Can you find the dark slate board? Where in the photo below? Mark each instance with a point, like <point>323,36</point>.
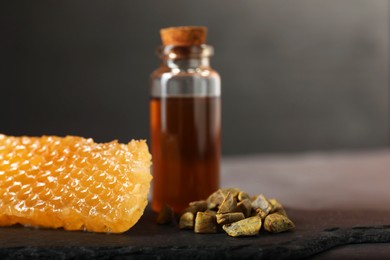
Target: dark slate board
<point>316,232</point>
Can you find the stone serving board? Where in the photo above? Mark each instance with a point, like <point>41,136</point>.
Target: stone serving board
<point>316,232</point>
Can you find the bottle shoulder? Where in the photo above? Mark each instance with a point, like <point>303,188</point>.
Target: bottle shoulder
<point>204,83</point>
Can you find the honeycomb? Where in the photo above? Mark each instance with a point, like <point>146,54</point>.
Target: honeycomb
<point>73,183</point>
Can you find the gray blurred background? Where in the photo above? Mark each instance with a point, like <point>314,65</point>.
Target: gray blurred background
<point>296,75</point>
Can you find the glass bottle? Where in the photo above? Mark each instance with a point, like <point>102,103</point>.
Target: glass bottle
<point>185,122</point>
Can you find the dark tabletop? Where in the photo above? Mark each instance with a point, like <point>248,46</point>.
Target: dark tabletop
<point>339,203</point>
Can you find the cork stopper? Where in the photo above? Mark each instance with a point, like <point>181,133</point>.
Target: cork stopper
<point>183,35</point>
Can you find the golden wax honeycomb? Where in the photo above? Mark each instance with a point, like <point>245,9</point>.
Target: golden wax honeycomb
<point>73,183</point>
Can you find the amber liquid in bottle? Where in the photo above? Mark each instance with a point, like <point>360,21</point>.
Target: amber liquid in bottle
<point>186,138</point>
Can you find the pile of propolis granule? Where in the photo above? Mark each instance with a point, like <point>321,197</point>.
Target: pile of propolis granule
<point>73,183</point>
<point>233,211</point>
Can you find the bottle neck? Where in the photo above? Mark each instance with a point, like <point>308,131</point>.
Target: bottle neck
<point>186,57</point>
<point>187,64</point>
